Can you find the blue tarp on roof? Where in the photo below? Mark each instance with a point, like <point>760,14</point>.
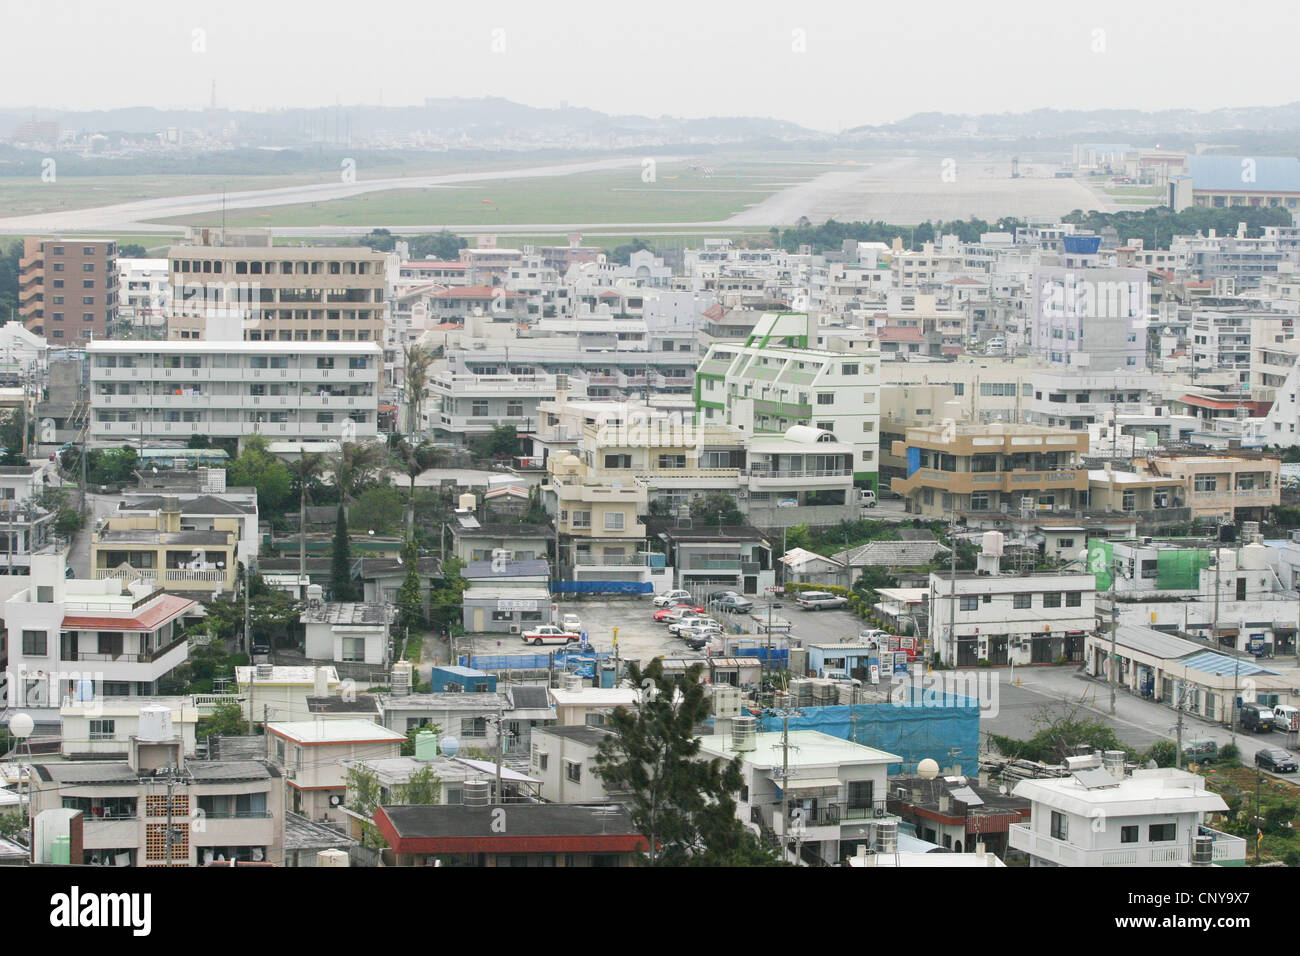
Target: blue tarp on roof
<point>1211,663</point>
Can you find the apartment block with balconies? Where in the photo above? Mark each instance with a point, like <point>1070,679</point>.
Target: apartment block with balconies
<point>276,294</point>
<point>775,381</point>
<point>123,637</point>
<point>161,551</point>
<point>991,469</point>
<point>597,520</point>
<point>217,810</point>
<point>291,391</point>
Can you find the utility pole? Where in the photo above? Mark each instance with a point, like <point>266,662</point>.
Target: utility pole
<point>1114,632</point>
<point>1178,729</point>
<point>1114,432</point>
<point>785,780</point>
<point>952,594</point>
<point>501,736</point>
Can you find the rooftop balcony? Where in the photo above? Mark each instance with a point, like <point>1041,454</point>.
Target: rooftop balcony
<point>1228,850</point>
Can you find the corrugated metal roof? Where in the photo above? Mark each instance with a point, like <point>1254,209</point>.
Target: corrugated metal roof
<point>1211,662</point>
<point>1145,640</point>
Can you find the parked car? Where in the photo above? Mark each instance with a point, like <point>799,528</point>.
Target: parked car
<point>872,635</point>
<point>1202,750</point>
<point>1286,717</point>
<point>697,642</point>
<point>734,603</point>
<point>571,623</point>
<point>819,600</point>
<point>691,617</point>
<point>1256,718</point>
<point>695,626</point>
<point>669,598</point>
<point>548,634</point>
<point>673,615</point>
<point>719,595</point>
<point>866,498</point>
<point>1276,759</point>
<point>666,614</point>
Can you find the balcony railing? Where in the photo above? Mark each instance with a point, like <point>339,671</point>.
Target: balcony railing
<point>1226,848</point>
<point>147,658</point>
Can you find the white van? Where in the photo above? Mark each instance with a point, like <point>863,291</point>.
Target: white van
<point>1288,717</point>
<point>866,498</point>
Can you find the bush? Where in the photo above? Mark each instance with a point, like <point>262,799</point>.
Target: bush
<point>1164,753</point>
<point>1229,752</point>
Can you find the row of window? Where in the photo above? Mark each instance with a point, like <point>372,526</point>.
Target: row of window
<point>1131,833</point>
<point>1025,600</point>
<point>286,268</point>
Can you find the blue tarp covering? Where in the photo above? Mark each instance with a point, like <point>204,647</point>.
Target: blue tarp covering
<point>779,654</point>
<point>913,732</point>
<point>527,662</point>
<point>913,461</point>
<point>602,587</point>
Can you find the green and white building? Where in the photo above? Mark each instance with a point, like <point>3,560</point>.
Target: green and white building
<point>775,380</point>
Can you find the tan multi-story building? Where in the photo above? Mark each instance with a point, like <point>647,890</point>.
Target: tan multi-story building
<point>68,289</point>
<point>601,537</point>
<point>991,469</point>
<point>169,552</point>
<point>1224,486</point>
<point>117,813</point>
<point>276,293</point>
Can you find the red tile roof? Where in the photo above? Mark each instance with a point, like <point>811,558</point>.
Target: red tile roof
<point>148,618</point>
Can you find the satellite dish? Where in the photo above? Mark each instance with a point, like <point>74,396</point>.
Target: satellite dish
<point>21,726</point>
<point>449,746</point>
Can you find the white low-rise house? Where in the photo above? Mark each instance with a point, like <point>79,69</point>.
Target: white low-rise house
<point>149,391</point>
<point>1152,818</point>
<point>835,792</point>
<point>277,692</point>
<point>564,760</point>
<point>985,615</point>
<point>103,727</point>
<point>348,632</point>
<point>66,633</point>
<point>311,754</point>
<point>582,706</point>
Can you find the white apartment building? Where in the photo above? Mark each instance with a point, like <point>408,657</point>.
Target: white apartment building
<point>101,728</point>
<point>564,760</point>
<point>775,381</point>
<point>985,615</point>
<point>144,293</point>
<point>1090,318</point>
<point>836,789</point>
<point>289,391</point>
<point>122,638</point>
<point>310,752</point>
<point>1151,818</point>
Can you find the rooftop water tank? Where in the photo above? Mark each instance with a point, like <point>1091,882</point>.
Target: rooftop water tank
<point>426,745</point>
<point>1254,557</point>
<point>466,502</point>
<point>887,837</point>
<point>155,723</point>
<point>993,541</point>
<point>476,793</point>
<point>744,733</point>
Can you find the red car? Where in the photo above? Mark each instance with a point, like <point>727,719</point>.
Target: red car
<point>662,615</point>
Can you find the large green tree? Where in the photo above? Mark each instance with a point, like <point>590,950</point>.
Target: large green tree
<point>258,468</point>
<point>356,468</point>
<point>414,459</point>
<point>410,599</point>
<point>683,803</point>
<point>378,509</point>
<point>342,587</point>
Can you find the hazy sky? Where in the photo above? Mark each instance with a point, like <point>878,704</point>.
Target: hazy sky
<point>862,62</point>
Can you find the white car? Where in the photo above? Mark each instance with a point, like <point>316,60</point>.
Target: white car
<point>692,623</point>
<point>669,598</point>
<point>548,634</point>
<point>702,628</point>
<point>680,614</point>
<point>571,623</point>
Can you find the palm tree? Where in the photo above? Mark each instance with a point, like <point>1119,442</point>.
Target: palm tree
<point>308,468</point>
<point>418,361</point>
<point>356,466</point>
<point>415,460</point>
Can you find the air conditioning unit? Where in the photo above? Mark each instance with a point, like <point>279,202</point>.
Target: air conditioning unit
<point>514,628</point>
<point>336,800</point>
<point>745,494</point>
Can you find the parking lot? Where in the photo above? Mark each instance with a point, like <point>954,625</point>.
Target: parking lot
<point>640,637</point>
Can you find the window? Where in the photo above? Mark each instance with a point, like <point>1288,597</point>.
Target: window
<point>1128,834</point>
<point>354,649</point>
<point>1161,832</point>
<point>357,361</point>
<point>613,521</point>
<point>479,409</point>
<point>1063,543</point>
<point>1060,826</point>
<point>979,501</point>
<point>1074,599</point>
<point>672,461</point>
<point>618,461</point>
<point>515,409</point>
<point>969,603</point>
<point>849,369</point>
<point>825,398</point>
<point>1022,601</point>
<point>573,771</point>
<point>473,727</point>
<point>1052,599</point>
<point>582,519</point>
<point>325,362</point>
<point>102,729</point>
<point>1207,483</point>
<point>35,644</point>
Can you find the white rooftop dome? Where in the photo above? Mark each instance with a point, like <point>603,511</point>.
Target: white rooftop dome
<point>807,434</point>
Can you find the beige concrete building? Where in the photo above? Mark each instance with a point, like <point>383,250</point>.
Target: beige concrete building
<point>311,753</point>
<point>275,293</point>
<point>170,554</point>
<point>991,469</point>
<point>1128,491</point>
<point>116,813</point>
<point>596,518</point>
<point>1215,485</point>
